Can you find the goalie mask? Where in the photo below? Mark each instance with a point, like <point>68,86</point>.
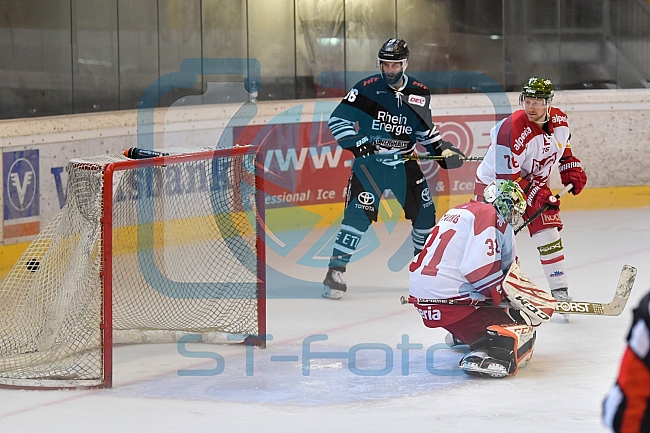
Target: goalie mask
<point>393,51</point>
<point>507,197</point>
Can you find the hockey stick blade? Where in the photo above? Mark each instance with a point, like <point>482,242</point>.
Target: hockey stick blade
<point>614,308</point>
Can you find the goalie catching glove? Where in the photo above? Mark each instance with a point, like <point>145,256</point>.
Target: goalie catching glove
<point>571,172</point>
<point>535,305</point>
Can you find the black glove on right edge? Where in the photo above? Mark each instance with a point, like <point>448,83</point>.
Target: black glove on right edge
<point>453,157</point>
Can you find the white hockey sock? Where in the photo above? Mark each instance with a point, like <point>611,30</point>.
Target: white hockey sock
<point>551,255</point>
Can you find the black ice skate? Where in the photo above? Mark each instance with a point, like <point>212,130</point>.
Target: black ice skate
<point>334,284</point>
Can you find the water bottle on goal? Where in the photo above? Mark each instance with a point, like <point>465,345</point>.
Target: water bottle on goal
<point>137,153</point>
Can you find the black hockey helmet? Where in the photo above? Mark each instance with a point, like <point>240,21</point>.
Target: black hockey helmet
<point>394,50</point>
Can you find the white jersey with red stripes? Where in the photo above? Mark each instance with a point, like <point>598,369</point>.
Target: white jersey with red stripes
<point>520,148</point>
<point>466,256</point>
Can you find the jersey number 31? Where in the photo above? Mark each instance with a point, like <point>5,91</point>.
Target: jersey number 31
<point>431,268</point>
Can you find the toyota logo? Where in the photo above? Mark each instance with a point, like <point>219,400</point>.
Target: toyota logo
<point>366,198</point>
<point>426,194</point>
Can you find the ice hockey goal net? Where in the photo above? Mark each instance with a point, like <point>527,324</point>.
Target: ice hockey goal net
<point>144,250</point>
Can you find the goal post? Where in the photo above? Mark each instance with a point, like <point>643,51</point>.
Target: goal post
<point>145,250</point>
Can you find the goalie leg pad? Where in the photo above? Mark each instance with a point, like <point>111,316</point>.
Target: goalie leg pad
<point>504,350</point>
<point>524,295</point>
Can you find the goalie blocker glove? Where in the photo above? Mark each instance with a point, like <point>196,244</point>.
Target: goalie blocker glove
<point>571,172</point>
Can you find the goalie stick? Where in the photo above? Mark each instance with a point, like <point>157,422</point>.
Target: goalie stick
<point>614,308</point>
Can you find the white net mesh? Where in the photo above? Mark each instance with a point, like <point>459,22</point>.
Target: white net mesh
<point>184,260</point>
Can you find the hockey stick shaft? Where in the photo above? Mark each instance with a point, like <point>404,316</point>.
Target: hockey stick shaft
<point>536,215</point>
<point>441,158</point>
<point>614,308</point>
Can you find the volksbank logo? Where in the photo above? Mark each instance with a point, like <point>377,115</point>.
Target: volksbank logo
<point>21,184</point>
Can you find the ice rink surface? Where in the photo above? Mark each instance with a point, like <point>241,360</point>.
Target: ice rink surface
<point>342,366</point>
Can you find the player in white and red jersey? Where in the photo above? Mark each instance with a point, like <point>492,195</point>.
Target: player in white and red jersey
<point>468,258</point>
<point>526,147</point>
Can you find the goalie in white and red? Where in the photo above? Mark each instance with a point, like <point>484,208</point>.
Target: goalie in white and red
<point>470,257</point>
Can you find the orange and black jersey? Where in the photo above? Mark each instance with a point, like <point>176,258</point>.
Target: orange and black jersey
<point>391,119</point>
<point>627,406</point>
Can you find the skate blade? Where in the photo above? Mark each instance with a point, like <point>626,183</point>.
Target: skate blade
<point>328,293</point>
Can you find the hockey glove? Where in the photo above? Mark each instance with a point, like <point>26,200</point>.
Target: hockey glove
<point>363,147</point>
<point>540,196</point>
<point>453,157</point>
<point>571,172</point>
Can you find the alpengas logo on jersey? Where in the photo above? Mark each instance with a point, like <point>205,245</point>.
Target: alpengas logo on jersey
<point>557,119</point>
<point>417,100</point>
<point>521,140</point>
